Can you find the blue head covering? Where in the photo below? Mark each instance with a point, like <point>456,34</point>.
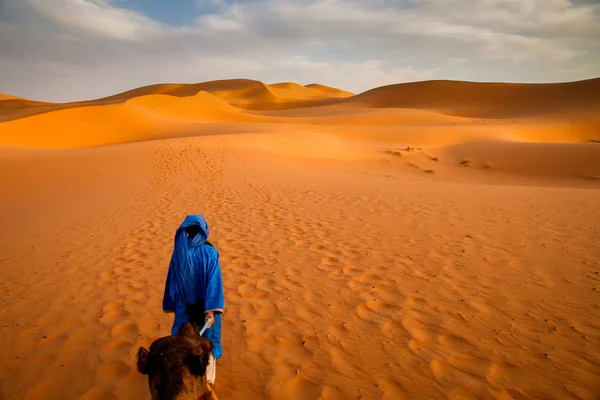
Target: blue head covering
<point>181,267</point>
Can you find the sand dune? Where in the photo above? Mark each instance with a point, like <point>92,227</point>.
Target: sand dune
<point>87,126</point>
<point>575,126</point>
<point>147,117</point>
<point>202,106</point>
<point>8,102</point>
<point>553,160</point>
<point>254,95</point>
<point>485,100</point>
<point>427,114</point>
<point>183,90</point>
<point>259,96</point>
<point>9,97</point>
<point>328,89</point>
<point>245,93</point>
<point>292,90</point>
<point>241,93</point>
<point>419,241</point>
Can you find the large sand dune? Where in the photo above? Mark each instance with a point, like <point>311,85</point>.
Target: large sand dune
<point>241,93</point>
<point>486,100</point>
<point>429,240</point>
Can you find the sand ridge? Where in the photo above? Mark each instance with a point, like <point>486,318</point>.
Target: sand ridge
<point>488,100</point>
<point>242,93</point>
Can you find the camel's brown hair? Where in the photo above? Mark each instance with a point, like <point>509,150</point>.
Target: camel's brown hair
<point>176,364</point>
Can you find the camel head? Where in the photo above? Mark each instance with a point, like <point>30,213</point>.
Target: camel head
<point>176,365</point>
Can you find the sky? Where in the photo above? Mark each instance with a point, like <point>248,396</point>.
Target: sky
<point>68,50</point>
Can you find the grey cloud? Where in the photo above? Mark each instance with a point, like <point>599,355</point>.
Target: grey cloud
<point>98,49</point>
<point>98,18</point>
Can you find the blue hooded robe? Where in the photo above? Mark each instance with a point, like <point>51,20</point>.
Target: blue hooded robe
<point>194,278</point>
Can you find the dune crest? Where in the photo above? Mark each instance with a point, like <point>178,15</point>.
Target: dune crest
<point>329,89</point>
<point>295,90</point>
<point>241,93</point>
<point>9,97</point>
<point>485,100</point>
<point>9,103</point>
<point>203,106</point>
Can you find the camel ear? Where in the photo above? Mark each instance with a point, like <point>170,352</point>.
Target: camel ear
<point>198,359</point>
<point>142,361</point>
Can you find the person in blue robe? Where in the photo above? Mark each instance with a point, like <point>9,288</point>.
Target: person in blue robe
<point>194,285</point>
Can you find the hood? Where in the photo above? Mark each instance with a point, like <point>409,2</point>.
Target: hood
<point>199,221</point>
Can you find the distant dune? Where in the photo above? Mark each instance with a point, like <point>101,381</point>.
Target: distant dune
<point>246,93</point>
<point>202,106</point>
<point>486,100</point>
<point>240,93</point>
<point>313,91</point>
<point>145,117</point>
<point>9,103</point>
<point>426,113</point>
<point>183,90</point>
<point>9,97</point>
<point>328,89</point>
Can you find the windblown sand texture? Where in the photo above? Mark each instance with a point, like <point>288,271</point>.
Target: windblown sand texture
<point>431,240</point>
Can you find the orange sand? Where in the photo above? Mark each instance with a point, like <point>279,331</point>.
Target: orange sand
<point>427,240</point>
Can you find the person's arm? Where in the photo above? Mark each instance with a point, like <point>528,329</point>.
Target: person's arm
<point>168,302</point>
<point>215,297</point>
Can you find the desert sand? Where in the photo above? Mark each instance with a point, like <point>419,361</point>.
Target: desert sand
<point>429,240</point>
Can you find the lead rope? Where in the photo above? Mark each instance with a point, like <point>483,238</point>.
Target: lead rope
<point>205,326</point>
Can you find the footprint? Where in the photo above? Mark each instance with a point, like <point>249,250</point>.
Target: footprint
<point>51,344</point>
<point>125,331</point>
<point>140,297</point>
<point>265,284</point>
<point>350,270</point>
<point>391,390</point>
<point>259,294</point>
<point>371,311</point>
<point>245,289</point>
<point>504,375</point>
<point>115,350</point>
<point>356,285</point>
<point>110,372</point>
<point>420,331</point>
<point>446,374</point>
<point>415,303</point>
<point>329,261</point>
<point>107,276</point>
<point>114,317</point>
<point>456,344</point>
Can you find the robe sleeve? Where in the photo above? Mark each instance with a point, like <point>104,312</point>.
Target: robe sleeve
<point>168,303</point>
<point>214,299</point>
<point>181,315</point>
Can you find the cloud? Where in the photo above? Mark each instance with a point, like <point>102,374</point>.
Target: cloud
<point>97,17</point>
<point>73,49</point>
<point>204,3</point>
